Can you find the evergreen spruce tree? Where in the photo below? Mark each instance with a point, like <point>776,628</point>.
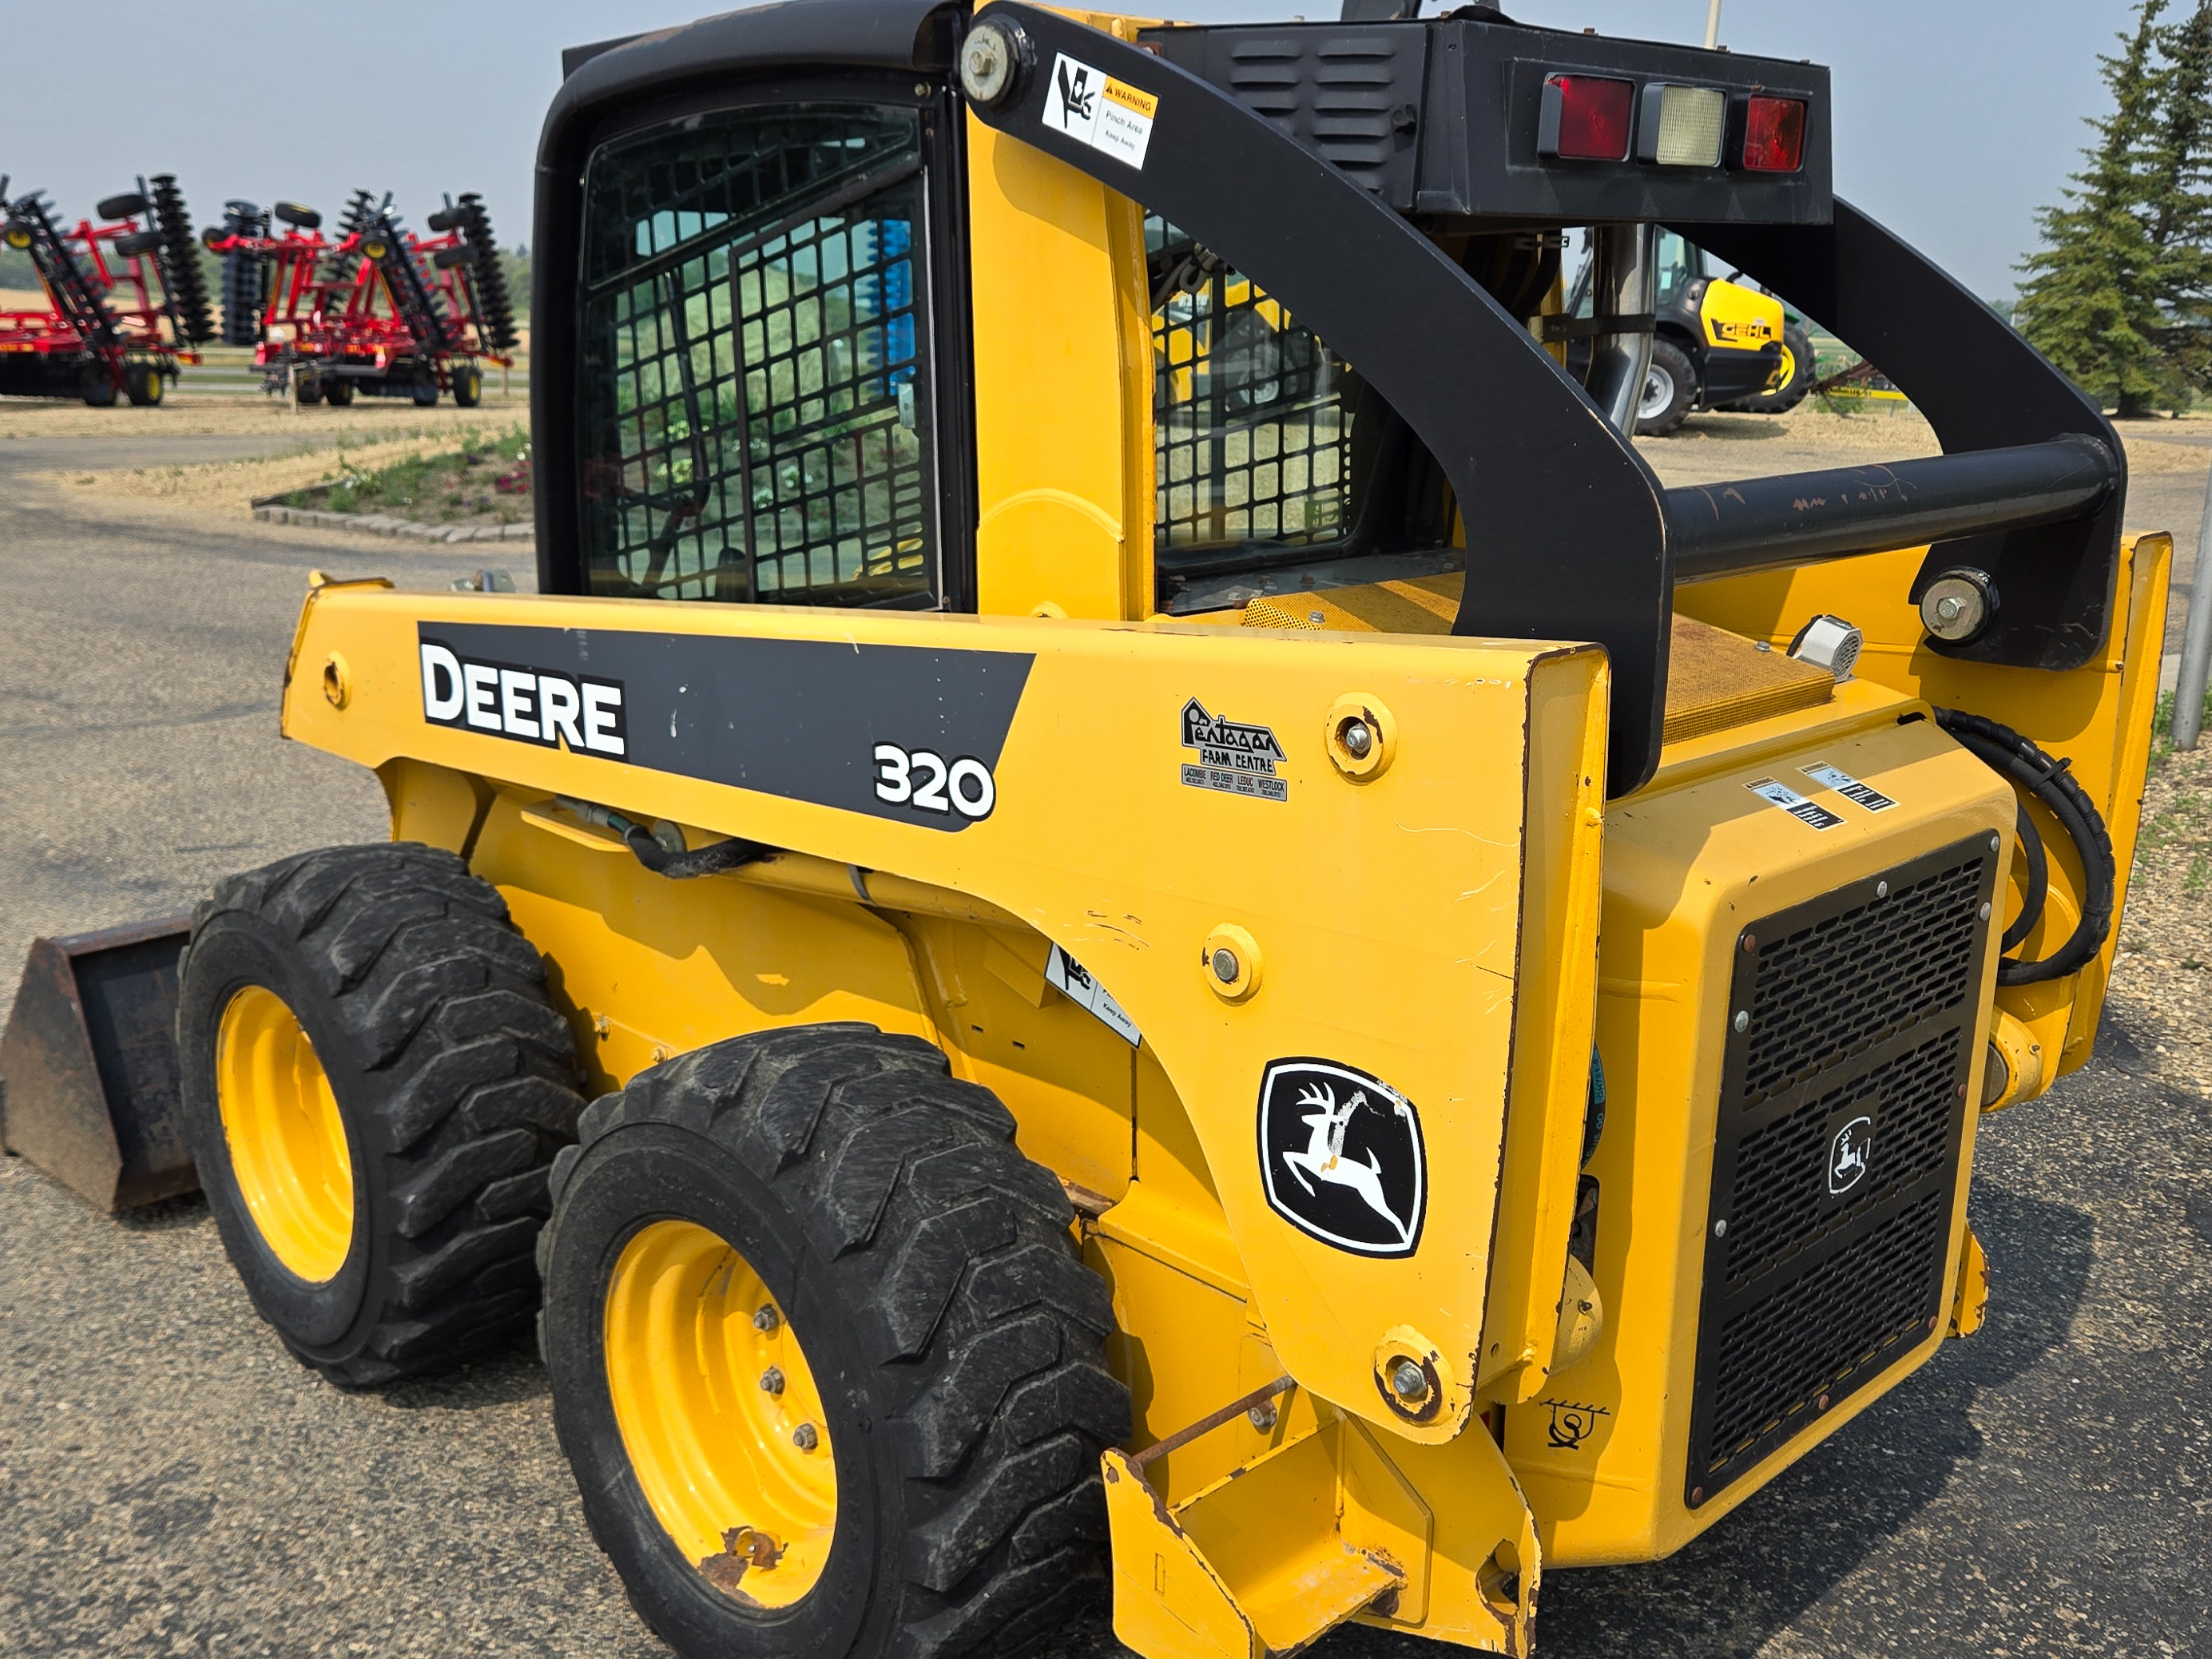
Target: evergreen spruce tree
<point>2091,299</point>
<point>2179,204</point>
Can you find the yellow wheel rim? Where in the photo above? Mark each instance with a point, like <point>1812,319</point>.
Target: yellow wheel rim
<point>287,1140</point>
<point>719,1414</point>
<point>153,389</point>
<point>1782,376</point>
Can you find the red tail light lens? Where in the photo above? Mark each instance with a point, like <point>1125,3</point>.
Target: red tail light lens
<point>1585,118</point>
<point>1773,135</point>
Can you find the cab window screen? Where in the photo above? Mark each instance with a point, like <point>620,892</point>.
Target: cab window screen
<point>1275,465</point>
<point>753,370</point>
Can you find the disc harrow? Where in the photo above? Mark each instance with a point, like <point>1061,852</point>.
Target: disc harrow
<point>370,308</point>
<point>126,303</point>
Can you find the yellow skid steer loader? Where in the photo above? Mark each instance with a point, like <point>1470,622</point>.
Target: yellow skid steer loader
<point>1214,950</point>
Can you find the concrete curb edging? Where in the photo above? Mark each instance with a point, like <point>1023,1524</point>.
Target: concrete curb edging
<point>379,524</point>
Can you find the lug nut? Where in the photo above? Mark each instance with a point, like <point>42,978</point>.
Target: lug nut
<point>1406,1380</point>
<point>772,1380</point>
<point>767,1318</point>
<point>806,1437</point>
<point>1225,966</point>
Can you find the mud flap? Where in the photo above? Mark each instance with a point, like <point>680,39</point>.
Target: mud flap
<point>88,1065</point>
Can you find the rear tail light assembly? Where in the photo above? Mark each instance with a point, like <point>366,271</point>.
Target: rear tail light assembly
<point>1585,118</point>
<point>1598,118</point>
<point>1682,126</point>
<point>1773,134</point>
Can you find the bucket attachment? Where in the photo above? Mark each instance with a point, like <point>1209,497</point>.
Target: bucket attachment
<point>1272,1556</point>
<point>88,1065</point>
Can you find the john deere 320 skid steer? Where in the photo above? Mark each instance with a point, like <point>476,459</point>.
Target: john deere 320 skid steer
<point>1212,945</point>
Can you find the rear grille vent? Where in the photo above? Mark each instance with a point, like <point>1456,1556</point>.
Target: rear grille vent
<point>1821,1334</point>
<point>1815,1002</point>
<point>1782,1176</point>
<point>1353,96</point>
<point>1835,1154</point>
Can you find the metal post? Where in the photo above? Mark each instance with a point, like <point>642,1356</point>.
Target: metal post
<point>2196,638</point>
<point>1712,24</point>
<point>1624,283</point>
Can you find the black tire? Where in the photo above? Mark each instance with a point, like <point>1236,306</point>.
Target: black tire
<point>144,384</point>
<point>1792,392</point>
<point>129,246</point>
<point>1670,390</point>
<point>129,205</point>
<point>298,216</point>
<point>338,393</point>
<point>426,393</point>
<point>957,1340</point>
<point>454,1077</point>
<point>307,389</point>
<point>96,386</point>
<point>467,382</point>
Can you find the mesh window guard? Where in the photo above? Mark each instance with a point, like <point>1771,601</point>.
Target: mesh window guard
<point>1250,419</point>
<point>754,362</point>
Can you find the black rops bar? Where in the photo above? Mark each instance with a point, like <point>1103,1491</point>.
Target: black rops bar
<point>1802,517</point>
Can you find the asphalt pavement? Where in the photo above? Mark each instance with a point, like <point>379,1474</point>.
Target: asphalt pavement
<point>171,1482</point>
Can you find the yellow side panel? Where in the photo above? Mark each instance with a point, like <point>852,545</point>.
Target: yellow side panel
<point>1067,1079</point>
<point>668,966</point>
<point>1558,970</point>
<point>1063,379</point>
<point>2096,716</point>
<point>1099,842</point>
<point>434,804</point>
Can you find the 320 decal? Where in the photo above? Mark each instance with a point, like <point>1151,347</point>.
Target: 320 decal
<point>919,778</point>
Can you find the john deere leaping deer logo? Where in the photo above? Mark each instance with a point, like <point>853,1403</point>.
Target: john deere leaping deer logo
<point>1341,1156</point>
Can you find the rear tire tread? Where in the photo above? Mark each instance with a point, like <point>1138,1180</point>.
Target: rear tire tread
<point>423,967</point>
<point>955,1249</point>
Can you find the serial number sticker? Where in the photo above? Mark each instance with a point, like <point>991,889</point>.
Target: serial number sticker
<point>1778,793</point>
<point>1068,976</point>
<point>1112,117</point>
<point>1835,778</point>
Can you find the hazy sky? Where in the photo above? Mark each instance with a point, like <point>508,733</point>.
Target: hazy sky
<point>1957,117</point>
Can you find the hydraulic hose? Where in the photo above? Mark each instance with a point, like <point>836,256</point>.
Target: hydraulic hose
<point>2034,772</point>
<point>673,862</point>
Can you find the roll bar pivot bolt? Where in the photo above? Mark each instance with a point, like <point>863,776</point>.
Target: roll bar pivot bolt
<point>995,61</point>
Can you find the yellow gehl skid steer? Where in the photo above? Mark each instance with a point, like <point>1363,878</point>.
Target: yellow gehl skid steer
<point>1209,939</point>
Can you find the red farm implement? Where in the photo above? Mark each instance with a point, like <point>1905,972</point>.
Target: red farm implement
<point>126,303</point>
<point>371,307</point>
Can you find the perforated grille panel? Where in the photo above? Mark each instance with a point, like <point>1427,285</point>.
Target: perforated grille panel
<point>1836,1155</point>
<point>1815,1003</point>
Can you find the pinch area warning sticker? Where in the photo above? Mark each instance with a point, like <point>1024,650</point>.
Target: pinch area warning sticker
<point>1067,976</point>
<point>1112,117</point>
<point>1778,793</point>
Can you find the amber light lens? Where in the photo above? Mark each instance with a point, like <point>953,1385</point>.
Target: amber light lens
<point>1773,135</point>
<point>1593,117</point>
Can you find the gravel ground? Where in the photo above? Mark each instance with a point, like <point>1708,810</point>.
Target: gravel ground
<point>172,1483</point>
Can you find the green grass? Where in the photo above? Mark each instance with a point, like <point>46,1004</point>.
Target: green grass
<point>2162,727</point>
<point>486,476</point>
